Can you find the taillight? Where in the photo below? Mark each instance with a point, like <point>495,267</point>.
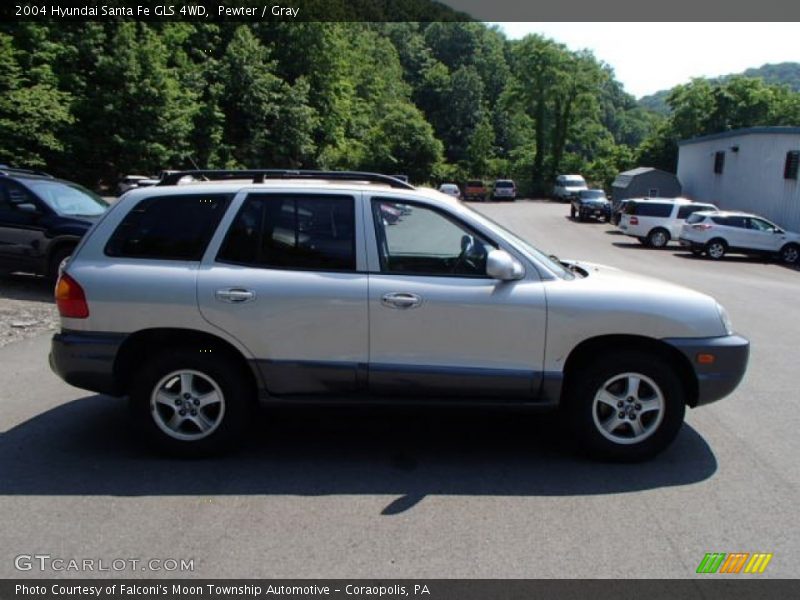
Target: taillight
<point>634,220</point>
<point>70,299</point>
<point>702,227</point>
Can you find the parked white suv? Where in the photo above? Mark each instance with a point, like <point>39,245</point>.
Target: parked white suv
<point>292,286</point>
<point>655,222</point>
<point>567,187</point>
<point>716,234</point>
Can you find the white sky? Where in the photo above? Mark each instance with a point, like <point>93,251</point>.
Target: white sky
<point>648,57</point>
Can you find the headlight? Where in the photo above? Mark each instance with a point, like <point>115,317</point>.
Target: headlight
<point>725,318</point>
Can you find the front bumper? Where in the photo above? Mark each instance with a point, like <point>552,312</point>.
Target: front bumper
<point>719,378</point>
<point>86,359</point>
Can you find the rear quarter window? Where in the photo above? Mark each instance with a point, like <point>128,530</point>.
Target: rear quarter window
<point>168,227</point>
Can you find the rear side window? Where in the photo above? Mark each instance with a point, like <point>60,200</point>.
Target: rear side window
<point>650,209</point>
<point>168,227</point>
<point>306,232</point>
<point>740,222</point>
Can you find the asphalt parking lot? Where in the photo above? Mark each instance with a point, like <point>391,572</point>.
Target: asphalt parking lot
<point>410,493</point>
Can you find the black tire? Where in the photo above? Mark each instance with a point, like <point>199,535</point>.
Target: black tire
<point>56,258</point>
<point>581,216</point>
<point>716,249</point>
<point>584,416</point>
<point>571,212</point>
<point>658,238</point>
<point>231,418</point>
<point>790,254</point>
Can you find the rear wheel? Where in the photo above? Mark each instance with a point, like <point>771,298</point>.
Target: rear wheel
<point>192,404</point>
<point>790,254</point>
<point>658,238</point>
<point>716,249</point>
<point>626,406</point>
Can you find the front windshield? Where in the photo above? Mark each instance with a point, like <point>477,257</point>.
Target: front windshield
<point>575,183</point>
<point>593,194</point>
<point>69,199</point>
<point>536,254</point>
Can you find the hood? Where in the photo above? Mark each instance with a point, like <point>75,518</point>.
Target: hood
<point>636,304</point>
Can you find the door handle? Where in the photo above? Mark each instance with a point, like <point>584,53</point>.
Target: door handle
<point>235,295</point>
<point>401,300</point>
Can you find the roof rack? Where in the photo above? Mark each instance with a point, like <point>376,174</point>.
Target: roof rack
<point>6,170</point>
<point>260,175</point>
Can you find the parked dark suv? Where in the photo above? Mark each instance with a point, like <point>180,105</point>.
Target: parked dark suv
<point>42,219</point>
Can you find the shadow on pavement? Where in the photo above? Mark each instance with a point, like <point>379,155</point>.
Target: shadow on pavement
<point>19,286</point>
<point>85,447</point>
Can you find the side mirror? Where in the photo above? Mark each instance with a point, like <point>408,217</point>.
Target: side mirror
<point>501,265</point>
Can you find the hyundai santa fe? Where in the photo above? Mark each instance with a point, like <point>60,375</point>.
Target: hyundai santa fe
<point>196,300</point>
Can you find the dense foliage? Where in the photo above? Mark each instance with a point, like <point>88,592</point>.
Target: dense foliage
<point>437,101</point>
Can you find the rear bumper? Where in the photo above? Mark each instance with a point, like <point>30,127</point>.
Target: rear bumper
<point>720,378</point>
<point>86,360</point>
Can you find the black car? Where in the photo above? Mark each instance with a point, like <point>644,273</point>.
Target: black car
<point>590,204</point>
<point>42,219</point>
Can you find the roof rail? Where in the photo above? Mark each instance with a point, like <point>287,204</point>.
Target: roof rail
<point>260,175</point>
<point>6,170</point>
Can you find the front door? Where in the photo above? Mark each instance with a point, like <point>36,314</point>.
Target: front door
<point>439,326</point>
<point>285,283</point>
<point>22,235</point>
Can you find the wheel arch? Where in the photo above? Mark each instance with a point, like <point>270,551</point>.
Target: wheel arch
<point>148,341</point>
<point>582,355</point>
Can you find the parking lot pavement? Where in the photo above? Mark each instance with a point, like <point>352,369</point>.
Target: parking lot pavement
<point>410,493</point>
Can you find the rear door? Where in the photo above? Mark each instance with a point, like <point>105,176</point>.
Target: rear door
<point>285,277</point>
<point>439,326</point>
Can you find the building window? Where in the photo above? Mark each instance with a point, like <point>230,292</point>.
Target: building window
<point>719,162</point>
<point>792,163</point>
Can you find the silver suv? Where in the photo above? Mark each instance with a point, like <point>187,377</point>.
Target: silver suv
<point>194,300</point>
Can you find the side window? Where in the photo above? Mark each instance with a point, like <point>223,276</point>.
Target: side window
<point>12,195</point>
<point>739,222</point>
<point>759,225</point>
<point>652,209</point>
<point>419,240</point>
<point>687,209</point>
<point>168,227</point>
<point>306,232</point>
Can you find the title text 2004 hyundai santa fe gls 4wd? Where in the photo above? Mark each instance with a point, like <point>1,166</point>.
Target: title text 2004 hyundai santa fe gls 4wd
<point>195,300</point>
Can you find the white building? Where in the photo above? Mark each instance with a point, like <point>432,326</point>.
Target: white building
<point>754,170</point>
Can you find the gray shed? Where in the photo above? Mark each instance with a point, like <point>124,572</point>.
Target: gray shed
<point>645,182</point>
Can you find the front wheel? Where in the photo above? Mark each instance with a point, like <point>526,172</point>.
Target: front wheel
<point>625,407</point>
<point>191,403</point>
<point>790,254</point>
<point>572,212</point>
